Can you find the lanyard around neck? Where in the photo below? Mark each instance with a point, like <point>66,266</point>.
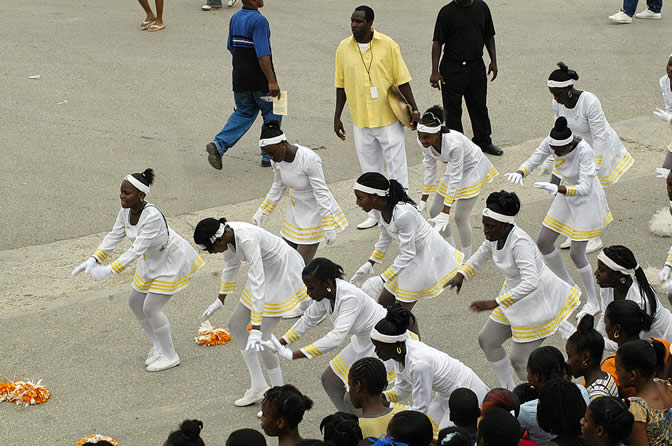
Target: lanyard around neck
<point>361,55</point>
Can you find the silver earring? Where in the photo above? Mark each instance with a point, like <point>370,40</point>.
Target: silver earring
<point>622,279</point>
<point>328,290</point>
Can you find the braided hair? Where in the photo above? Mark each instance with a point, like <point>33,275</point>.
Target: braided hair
<point>205,229</point>
<point>395,191</point>
<point>341,429</point>
<point>613,415</point>
<point>434,116</point>
<point>587,339</point>
<point>371,373</point>
<point>189,434</point>
<point>630,316</point>
<point>288,402</point>
<point>323,270</point>
<point>625,258</point>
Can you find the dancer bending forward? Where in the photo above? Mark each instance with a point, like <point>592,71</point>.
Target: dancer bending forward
<point>532,302</point>
<point>273,287</point>
<point>166,263</point>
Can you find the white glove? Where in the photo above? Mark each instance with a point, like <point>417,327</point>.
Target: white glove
<point>373,286</point>
<point>254,341</point>
<point>330,236</point>
<point>664,274</point>
<point>84,266</point>
<point>215,306</point>
<point>362,272</point>
<point>421,206</point>
<point>441,221</point>
<point>258,217</point>
<point>274,345</point>
<point>662,172</point>
<point>548,187</point>
<point>514,177</point>
<point>663,115</point>
<point>100,272</point>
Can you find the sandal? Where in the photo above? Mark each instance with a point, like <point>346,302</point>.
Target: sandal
<point>146,24</point>
<point>154,27</point>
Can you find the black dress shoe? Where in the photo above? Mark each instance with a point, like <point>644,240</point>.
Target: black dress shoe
<point>265,163</point>
<point>492,150</point>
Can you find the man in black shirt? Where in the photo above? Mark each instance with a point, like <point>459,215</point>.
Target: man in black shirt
<point>463,27</point>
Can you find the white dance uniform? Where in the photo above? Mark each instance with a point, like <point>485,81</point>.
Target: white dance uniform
<point>662,320</point>
<point>312,208</point>
<point>467,169</point>
<point>426,262</point>
<point>582,212</point>
<point>587,120</point>
<point>428,370</point>
<point>533,300</point>
<point>167,261</point>
<point>274,285</point>
<point>667,98</point>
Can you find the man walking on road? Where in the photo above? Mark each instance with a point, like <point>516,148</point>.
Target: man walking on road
<point>367,64</point>
<point>254,83</point>
<point>463,27</point>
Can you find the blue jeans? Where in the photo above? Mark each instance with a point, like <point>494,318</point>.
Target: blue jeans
<point>248,106</point>
<point>630,6</point>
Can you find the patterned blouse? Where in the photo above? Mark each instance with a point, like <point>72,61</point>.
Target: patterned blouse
<point>658,421</point>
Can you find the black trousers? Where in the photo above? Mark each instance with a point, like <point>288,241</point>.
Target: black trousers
<point>471,82</point>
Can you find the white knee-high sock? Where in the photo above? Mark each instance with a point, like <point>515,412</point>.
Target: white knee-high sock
<point>165,340</point>
<point>147,328</point>
<point>450,239</point>
<point>503,373</point>
<point>586,274</point>
<point>555,263</point>
<point>275,375</point>
<point>257,380</point>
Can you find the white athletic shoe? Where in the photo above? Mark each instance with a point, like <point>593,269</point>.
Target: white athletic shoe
<point>587,310</point>
<point>259,414</point>
<point>370,222</point>
<point>566,244</point>
<point>250,397</point>
<point>152,356</point>
<point>648,14</point>
<point>620,17</point>
<point>593,245</point>
<point>163,363</point>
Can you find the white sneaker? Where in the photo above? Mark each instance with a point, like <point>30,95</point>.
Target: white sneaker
<point>370,222</point>
<point>620,17</point>
<point>566,244</point>
<point>250,397</point>
<point>648,14</point>
<point>293,313</point>
<point>163,363</point>
<point>152,356</point>
<point>587,310</point>
<point>593,245</point>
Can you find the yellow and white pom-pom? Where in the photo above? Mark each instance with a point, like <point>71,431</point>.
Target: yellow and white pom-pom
<point>209,335</point>
<point>7,389</point>
<point>661,223</point>
<point>95,438</point>
<point>28,393</point>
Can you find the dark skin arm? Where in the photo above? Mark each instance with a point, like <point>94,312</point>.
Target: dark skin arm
<point>405,89</point>
<point>267,68</point>
<point>483,305</point>
<point>492,52</point>
<point>340,103</point>
<point>435,80</point>
<point>638,436</point>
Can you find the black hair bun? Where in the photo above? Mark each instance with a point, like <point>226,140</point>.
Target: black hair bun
<point>504,202</point>
<point>399,316</point>
<point>560,124</point>
<point>571,73</point>
<point>586,324</point>
<point>148,176</point>
<point>191,428</point>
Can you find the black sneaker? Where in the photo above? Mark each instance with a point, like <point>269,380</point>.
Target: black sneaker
<point>265,163</point>
<point>492,150</point>
<point>214,157</point>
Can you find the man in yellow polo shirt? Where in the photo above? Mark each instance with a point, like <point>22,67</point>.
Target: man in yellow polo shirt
<point>367,64</point>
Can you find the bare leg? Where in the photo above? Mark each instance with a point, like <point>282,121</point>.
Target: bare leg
<point>148,10</point>
<point>307,252</point>
<point>334,388</point>
<point>159,12</point>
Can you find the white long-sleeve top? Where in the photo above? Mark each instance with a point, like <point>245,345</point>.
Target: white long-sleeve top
<point>354,313</point>
<point>303,175</point>
<point>409,228</point>
<point>148,235</point>
<point>428,370</point>
<point>519,260</point>
<point>257,247</point>
<point>459,153</point>
<point>576,169</point>
<point>667,92</point>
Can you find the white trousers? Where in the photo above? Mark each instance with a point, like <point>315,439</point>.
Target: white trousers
<point>378,144</point>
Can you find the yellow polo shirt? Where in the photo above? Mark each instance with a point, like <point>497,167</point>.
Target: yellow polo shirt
<point>387,69</point>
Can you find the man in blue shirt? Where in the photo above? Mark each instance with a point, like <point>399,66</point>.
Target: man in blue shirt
<point>254,82</point>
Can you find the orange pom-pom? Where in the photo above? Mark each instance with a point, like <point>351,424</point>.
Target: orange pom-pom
<point>95,438</point>
<point>7,389</point>
<point>29,393</point>
<point>209,335</point>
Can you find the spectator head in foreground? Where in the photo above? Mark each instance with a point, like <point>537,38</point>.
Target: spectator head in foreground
<point>498,428</point>
<point>411,427</point>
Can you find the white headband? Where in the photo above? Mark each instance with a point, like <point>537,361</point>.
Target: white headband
<point>137,184</point>
<point>427,129</point>
<point>560,84</point>
<point>487,212</point>
<point>369,190</point>
<point>560,142</point>
<point>218,234</point>
<point>615,266</point>
<point>271,141</point>
<point>388,339</point>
